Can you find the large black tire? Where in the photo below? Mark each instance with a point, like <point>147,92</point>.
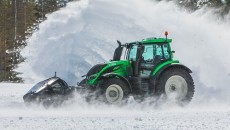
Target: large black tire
<point>114,91</point>
<point>175,84</point>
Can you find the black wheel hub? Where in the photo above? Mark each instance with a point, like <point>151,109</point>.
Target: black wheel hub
<point>112,93</point>
<point>173,87</point>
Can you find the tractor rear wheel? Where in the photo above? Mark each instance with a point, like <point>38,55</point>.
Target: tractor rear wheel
<point>114,91</point>
<point>176,84</point>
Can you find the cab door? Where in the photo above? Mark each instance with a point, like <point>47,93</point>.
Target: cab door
<point>153,55</point>
<point>147,62</point>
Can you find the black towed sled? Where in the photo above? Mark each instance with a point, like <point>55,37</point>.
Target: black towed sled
<point>50,92</point>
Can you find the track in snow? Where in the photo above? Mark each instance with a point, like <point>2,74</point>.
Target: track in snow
<point>80,115</point>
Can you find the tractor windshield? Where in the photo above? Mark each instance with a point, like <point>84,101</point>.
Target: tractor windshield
<point>151,52</point>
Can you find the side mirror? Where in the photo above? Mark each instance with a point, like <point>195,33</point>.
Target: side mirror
<point>173,51</point>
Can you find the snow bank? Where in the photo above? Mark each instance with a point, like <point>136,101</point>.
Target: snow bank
<point>75,38</point>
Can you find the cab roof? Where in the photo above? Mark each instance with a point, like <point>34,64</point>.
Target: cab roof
<point>153,41</point>
<point>156,40</point>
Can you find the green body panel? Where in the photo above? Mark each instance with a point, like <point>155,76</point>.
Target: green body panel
<point>156,40</point>
<point>118,67</point>
<point>161,65</point>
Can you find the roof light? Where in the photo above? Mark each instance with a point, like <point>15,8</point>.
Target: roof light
<point>166,33</point>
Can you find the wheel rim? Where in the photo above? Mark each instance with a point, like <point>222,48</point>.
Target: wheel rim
<point>114,94</point>
<point>176,88</point>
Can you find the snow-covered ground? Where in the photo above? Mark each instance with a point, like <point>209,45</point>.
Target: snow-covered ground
<point>78,115</point>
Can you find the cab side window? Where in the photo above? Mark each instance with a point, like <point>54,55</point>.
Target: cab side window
<point>166,51</point>
<point>148,53</point>
<point>153,53</point>
<point>158,51</point>
<point>162,51</point>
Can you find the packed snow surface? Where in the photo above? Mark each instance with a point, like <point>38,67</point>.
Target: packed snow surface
<point>79,115</point>
<point>84,33</point>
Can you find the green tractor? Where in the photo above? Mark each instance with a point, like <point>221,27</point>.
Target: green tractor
<point>148,70</point>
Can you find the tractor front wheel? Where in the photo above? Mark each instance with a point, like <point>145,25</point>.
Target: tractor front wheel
<point>114,91</point>
<point>176,84</point>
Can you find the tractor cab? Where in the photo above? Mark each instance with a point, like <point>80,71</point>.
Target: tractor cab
<point>145,55</point>
<point>151,54</point>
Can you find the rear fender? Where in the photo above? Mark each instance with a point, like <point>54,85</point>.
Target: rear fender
<point>165,68</point>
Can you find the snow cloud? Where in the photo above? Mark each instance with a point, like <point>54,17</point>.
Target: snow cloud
<point>83,34</point>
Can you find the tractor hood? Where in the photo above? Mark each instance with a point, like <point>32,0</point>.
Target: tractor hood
<point>116,66</point>
<point>108,67</point>
<point>113,67</point>
<point>118,63</point>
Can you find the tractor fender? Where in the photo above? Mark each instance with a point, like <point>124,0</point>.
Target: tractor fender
<point>112,75</point>
<point>155,77</point>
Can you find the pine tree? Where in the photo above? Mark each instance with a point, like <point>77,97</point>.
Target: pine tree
<point>18,20</point>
